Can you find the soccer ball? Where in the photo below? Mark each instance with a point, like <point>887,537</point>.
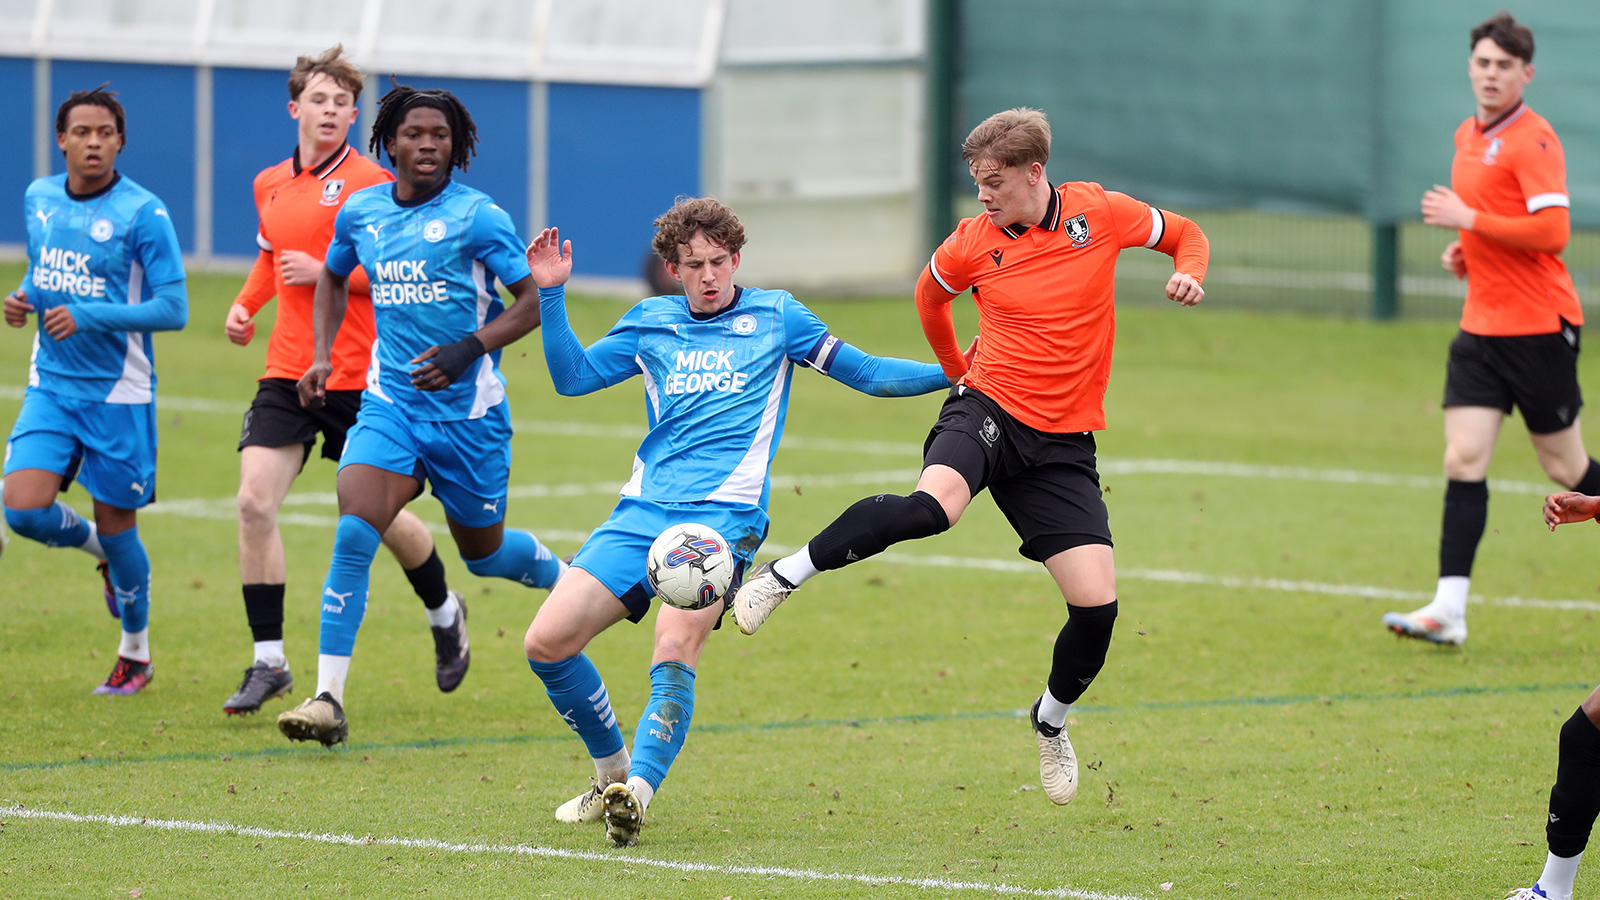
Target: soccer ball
<point>690,566</point>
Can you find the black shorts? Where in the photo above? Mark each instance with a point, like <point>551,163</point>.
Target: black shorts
<point>1044,483</point>
<point>1536,373</point>
<point>276,419</point>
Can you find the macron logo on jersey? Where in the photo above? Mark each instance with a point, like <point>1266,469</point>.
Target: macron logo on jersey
<point>400,281</point>
<point>67,271</point>
<point>705,370</point>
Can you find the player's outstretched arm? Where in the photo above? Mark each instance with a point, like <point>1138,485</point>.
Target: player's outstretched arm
<point>327,313</point>
<point>17,308</point>
<point>1568,507</point>
<point>167,309</point>
<point>884,376</point>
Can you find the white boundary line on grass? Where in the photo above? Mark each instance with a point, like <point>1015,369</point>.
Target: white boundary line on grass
<point>350,840</point>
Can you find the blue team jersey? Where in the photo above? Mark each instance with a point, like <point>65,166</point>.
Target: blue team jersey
<point>432,264</point>
<point>101,255</point>
<point>716,390</point>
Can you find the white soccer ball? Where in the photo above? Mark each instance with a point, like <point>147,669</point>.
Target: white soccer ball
<point>690,566</point>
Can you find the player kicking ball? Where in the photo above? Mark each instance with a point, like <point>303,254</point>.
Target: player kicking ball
<point>435,406</point>
<point>1041,267</point>
<point>104,271</point>
<point>717,362</point>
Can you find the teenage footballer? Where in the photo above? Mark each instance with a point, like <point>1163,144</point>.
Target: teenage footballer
<point>1041,266</point>
<point>435,407</point>
<point>104,272</point>
<point>716,361</point>
<point>296,201</point>
<point>1521,323</point>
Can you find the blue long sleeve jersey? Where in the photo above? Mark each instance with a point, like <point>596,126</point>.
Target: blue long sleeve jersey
<point>112,258</point>
<point>432,262</point>
<point>716,389</point>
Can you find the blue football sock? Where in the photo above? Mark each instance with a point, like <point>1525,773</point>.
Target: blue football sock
<point>665,724</point>
<point>130,577</point>
<point>520,558</point>
<point>344,594</point>
<point>57,525</point>
<point>580,698</point>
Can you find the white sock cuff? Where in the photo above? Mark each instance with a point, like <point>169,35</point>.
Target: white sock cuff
<point>332,673</point>
<point>135,645</point>
<point>796,568</point>
<point>1052,711</point>
<point>641,790</point>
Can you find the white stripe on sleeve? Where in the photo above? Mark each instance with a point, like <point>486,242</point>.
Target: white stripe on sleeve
<point>1158,227</point>
<point>933,269</point>
<point>1545,201</point>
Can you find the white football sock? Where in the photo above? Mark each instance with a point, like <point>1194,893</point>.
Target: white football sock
<point>1053,712</point>
<point>135,645</point>
<point>642,790</point>
<point>1450,598</point>
<point>271,653</point>
<point>614,768</point>
<point>1556,881</point>
<point>445,615</point>
<point>332,672</point>
<point>796,569</point>
<point>92,546</point>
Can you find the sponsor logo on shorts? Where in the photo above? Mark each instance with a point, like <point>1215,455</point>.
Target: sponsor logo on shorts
<point>492,507</point>
<point>990,432</point>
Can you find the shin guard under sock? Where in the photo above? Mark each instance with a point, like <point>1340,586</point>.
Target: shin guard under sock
<point>873,524</point>
<point>1575,798</point>
<point>580,698</point>
<point>1081,649</point>
<point>1466,512</point>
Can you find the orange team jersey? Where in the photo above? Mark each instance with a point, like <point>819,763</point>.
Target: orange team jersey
<point>1515,167</point>
<point>1045,299</point>
<point>296,208</point>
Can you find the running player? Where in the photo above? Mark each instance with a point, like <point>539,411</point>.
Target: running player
<point>1518,345</point>
<point>1041,265</point>
<point>104,271</point>
<point>717,365</point>
<point>296,201</point>
<point>435,406</point>
<point>1575,798</point>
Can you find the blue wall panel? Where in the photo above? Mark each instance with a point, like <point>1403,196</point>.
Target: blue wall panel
<point>160,105</point>
<point>618,156</point>
<point>500,111</point>
<point>16,154</point>
<point>251,130</point>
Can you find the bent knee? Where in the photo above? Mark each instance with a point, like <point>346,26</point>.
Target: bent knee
<point>542,647</point>
<point>255,507</point>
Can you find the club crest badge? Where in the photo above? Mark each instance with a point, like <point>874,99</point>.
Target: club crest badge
<point>1493,151</point>
<point>331,191</point>
<point>745,324</point>
<point>433,232</point>
<point>1078,229</point>
<point>101,230</point>
<point>990,431</point>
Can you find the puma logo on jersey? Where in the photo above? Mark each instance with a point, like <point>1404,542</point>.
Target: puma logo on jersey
<point>995,255</point>
<point>374,229</point>
<point>44,217</point>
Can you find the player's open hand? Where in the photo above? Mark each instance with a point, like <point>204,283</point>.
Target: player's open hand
<point>239,326</point>
<point>1454,261</point>
<point>1184,289</point>
<point>549,259</point>
<point>299,268</point>
<point>17,309</point>
<point>1568,507</point>
<point>58,322</point>
<point>1444,208</point>
<point>313,385</point>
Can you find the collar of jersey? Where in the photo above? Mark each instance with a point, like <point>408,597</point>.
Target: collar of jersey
<point>115,177</point>
<point>1504,122</point>
<point>328,165</point>
<point>418,201</point>
<point>1050,222</point>
<point>706,317</point>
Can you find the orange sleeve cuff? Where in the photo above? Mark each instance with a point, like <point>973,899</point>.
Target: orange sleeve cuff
<point>1186,244</point>
<point>933,308</point>
<point>259,286</point>
<point>1545,231</point>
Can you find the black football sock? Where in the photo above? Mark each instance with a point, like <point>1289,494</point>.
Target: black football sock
<point>1081,649</point>
<point>428,581</point>
<point>873,524</point>
<point>263,608</point>
<point>1466,512</point>
<point>1590,482</point>
<point>1575,799</point>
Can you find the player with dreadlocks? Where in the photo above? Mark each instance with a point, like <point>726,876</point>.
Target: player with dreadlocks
<point>435,406</point>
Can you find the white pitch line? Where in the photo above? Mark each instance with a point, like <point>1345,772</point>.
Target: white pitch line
<point>350,840</point>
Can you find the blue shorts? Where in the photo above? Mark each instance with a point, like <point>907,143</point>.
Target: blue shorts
<point>468,462</point>
<point>615,552</point>
<point>109,447</point>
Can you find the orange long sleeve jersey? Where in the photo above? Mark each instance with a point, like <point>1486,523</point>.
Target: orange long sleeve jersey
<point>1514,173</point>
<point>1045,298</point>
<point>296,208</point>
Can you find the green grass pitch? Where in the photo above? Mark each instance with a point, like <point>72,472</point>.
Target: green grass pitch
<point>1274,488</point>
